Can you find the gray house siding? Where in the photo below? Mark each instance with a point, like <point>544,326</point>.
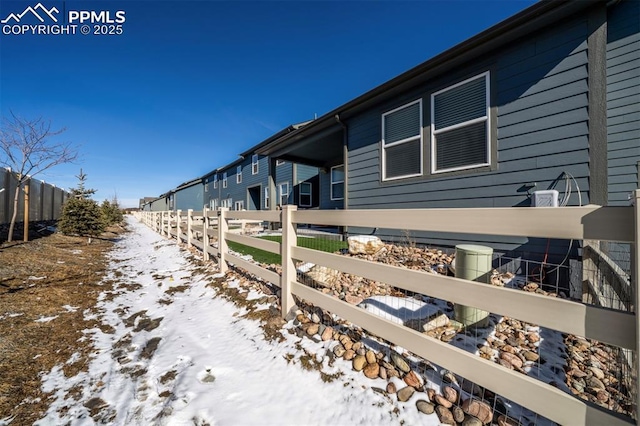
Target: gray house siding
<point>325,193</point>
<point>623,113</point>
<point>161,204</point>
<point>539,98</point>
<point>190,197</point>
<point>306,174</point>
<point>284,173</point>
<point>623,100</point>
<point>257,182</point>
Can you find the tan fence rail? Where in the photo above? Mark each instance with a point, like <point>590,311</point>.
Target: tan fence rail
<point>614,327</point>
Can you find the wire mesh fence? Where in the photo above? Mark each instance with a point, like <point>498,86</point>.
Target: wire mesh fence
<point>594,371</point>
<point>591,272</point>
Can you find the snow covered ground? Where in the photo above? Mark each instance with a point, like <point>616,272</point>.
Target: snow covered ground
<point>185,357</point>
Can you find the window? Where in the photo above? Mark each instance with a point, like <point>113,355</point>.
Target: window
<point>460,125</point>
<point>224,180</point>
<point>284,193</point>
<point>279,162</point>
<point>171,202</point>
<point>206,186</point>
<point>305,194</point>
<point>215,181</point>
<point>337,182</point>
<point>239,174</point>
<point>213,204</point>
<point>239,205</point>
<point>254,164</point>
<point>402,142</point>
<point>266,198</point>
<point>226,202</point>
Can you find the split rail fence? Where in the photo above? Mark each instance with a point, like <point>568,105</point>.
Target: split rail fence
<point>617,328</point>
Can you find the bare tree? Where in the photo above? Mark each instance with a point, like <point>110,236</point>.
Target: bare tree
<point>27,148</point>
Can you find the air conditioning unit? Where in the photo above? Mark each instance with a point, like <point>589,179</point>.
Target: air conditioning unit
<point>546,198</point>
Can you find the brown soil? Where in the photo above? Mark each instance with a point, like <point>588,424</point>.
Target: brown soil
<point>37,280</point>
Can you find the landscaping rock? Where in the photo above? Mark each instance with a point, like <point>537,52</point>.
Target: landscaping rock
<point>450,394</point>
<point>364,244</point>
<point>391,388</point>
<point>412,379</point>
<point>370,356</point>
<point>405,393</point>
<point>439,321</point>
<point>425,406</point>
<point>327,334</point>
<point>441,400</point>
<point>458,414</point>
<point>372,370</point>
<point>478,409</point>
<point>399,361</point>
<point>359,362</point>
<point>471,421</point>
<point>445,415</point>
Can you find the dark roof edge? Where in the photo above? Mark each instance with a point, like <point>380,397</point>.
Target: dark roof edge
<point>256,148</point>
<point>524,22</point>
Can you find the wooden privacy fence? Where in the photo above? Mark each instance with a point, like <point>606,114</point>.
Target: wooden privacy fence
<point>43,200</point>
<point>614,327</point>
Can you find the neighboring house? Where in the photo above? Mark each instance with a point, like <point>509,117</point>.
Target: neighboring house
<point>163,202</point>
<point>189,195</point>
<point>259,182</point>
<point>145,203</point>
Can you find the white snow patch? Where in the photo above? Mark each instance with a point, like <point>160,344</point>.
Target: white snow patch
<point>46,319</point>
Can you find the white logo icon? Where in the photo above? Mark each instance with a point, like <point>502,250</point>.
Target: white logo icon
<point>33,11</point>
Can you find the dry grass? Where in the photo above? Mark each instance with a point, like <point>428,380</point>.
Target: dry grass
<point>37,280</point>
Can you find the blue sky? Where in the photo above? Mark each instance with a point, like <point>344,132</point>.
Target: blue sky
<point>188,85</point>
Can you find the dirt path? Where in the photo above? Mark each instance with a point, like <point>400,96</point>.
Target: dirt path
<point>45,285</point>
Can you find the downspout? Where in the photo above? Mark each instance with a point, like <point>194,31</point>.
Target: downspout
<point>345,156</point>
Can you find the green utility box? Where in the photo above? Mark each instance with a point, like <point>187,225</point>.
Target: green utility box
<point>473,263</point>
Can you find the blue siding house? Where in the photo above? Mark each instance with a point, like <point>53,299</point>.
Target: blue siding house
<point>547,99</point>
<point>548,96</point>
<point>259,182</point>
<point>189,195</point>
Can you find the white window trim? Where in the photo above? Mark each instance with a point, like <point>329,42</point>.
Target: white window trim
<point>309,194</point>
<point>239,174</point>
<point>206,186</point>
<point>411,139</point>
<point>340,181</point>
<point>239,204</point>
<point>279,162</point>
<point>280,194</point>
<point>255,165</point>
<point>266,198</point>
<point>487,118</point>
<point>215,181</point>
<point>224,180</point>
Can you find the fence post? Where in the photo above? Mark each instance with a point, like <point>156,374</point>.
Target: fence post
<point>189,224</point>
<point>289,240</point>
<point>168,224</point>
<point>205,233</point>
<point>25,225</point>
<point>178,223</point>
<point>223,226</point>
<point>635,279</point>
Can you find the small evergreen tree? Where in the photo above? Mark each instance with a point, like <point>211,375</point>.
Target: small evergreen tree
<point>111,212</point>
<point>80,214</point>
